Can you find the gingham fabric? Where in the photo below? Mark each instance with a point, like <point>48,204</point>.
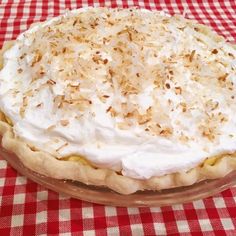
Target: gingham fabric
<point>29,209</point>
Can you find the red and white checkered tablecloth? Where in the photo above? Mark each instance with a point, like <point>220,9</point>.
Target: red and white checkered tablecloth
<point>27,208</point>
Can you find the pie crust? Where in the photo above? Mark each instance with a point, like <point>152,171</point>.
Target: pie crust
<point>79,170</point>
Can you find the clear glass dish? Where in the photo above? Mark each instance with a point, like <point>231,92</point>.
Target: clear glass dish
<point>107,197</point>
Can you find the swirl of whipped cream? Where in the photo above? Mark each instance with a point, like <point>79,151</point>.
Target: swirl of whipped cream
<point>131,90</point>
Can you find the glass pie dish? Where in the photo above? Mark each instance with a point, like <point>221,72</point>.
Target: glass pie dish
<point>105,196</point>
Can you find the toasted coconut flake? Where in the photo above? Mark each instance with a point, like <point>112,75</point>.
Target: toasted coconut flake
<point>29,93</point>
<point>20,70</point>
<point>211,105</point>
<point>183,105</point>
<point>37,58</point>
<point>22,112</point>
<point>39,105</point>
<point>112,112</point>
<point>214,51</point>
<point>51,82</point>
<point>51,127</point>
<point>209,133</point>
<point>108,109</point>
<point>58,101</point>
<point>143,119</point>
<point>223,77</point>
<point>62,146</point>
<point>23,56</point>
<point>25,101</point>
<point>178,90</point>
<point>166,132</point>
<point>167,85</point>
<point>64,122</point>
<point>192,55</point>
<point>129,115</point>
<point>75,22</point>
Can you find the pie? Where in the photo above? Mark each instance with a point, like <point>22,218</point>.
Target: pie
<point>129,99</point>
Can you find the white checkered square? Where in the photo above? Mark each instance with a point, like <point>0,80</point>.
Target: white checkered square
<point>155,209</point>
<point>130,3</point>
<point>13,11</point>
<point>87,212</point>
<point>182,226</point>
<point>19,198</point>
<point>3,164</point>
<point>41,217</point>
<point>178,207</point>
<point>160,228</point>
<point>89,233</point>
<point>39,4</point>
<point>205,225</point>
<point>2,181</point>
<point>64,214</point>
<point>17,220</point>
<point>73,4</point>
<point>136,229</point>
<point>110,211</point>
<point>1,11</point>
<point>119,2</point>
<point>96,4</point>
<point>199,204</point>
<point>10,29</point>
<point>152,5</point>
<point>21,180</point>
<point>133,210</point>
<point>65,234</point>
<point>10,21</point>
<point>113,231</point>
<point>227,224</point>
<point>42,195</point>
<point>26,11</point>
<point>219,202</point>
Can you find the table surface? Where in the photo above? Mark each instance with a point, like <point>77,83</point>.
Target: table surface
<point>27,208</point>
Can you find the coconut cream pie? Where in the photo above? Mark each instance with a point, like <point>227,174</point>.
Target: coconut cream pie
<point>124,98</point>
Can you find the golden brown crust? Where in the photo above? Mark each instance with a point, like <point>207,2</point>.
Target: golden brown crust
<point>48,165</point>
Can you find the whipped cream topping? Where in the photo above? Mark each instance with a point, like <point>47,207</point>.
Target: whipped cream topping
<point>131,90</point>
